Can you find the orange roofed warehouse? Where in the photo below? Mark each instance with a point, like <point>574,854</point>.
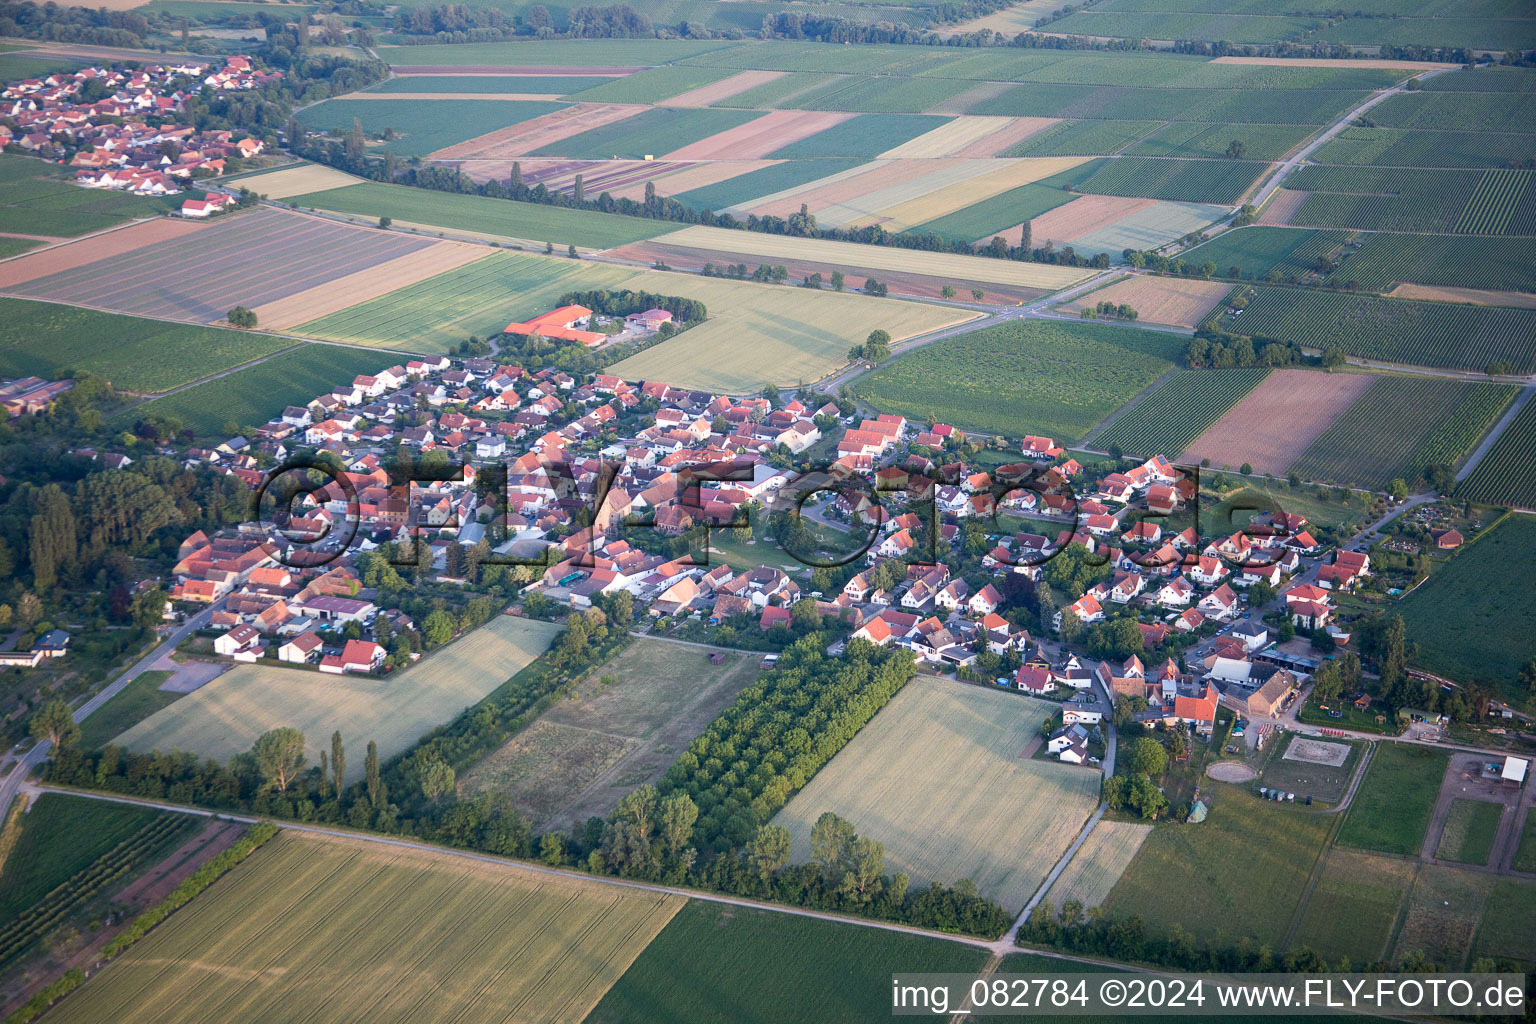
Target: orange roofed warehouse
<point>560,324</point>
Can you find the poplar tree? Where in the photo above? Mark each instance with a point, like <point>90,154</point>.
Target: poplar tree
<point>338,761</point>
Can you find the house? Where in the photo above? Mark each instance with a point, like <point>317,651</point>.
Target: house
<point>357,656</point>
<point>206,207</point>
<point>1082,709</point>
<point>1034,679</point>
<point>560,324</point>
<point>1252,633</point>
<point>1065,737</point>
<point>1346,569</point>
<point>1266,701</point>
<point>243,643</point>
<point>984,601</point>
<point>650,320</point>
<point>300,649</point>
<point>1077,753</point>
<point>1220,604</point>
<point>52,644</point>
<point>1447,540</point>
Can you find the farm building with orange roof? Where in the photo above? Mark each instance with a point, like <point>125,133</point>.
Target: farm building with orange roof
<point>561,324</point>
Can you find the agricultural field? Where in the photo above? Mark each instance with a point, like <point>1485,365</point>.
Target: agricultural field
<point>1148,226</point>
<point>553,85</point>
<point>1220,182</point>
<point>1442,913</point>
<point>224,717</point>
<point>1275,422</point>
<point>38,198</point>
<point>1399,147</point>
<point>296,180</point>
<point>134,703</point>
<point>939,779</point>
<point>766,181</point>
<point>1525,850</point>
<point>1391,809</point>
<point>479,299</point>
<point>1399,427</point>
<point>1085,138</point>
<point>1470,829</point>
<point>581,756</point>
<point>881,95</point>
<point>715,964</point>
<point>1448,614</point>
<point>1504,477</point>
<point>422,127</point>
<point>1026,377</point>
<point>567,54</point>
<point>1383,259</point>
<point>1458,111</point>
<point>1257,251</point>
<point>250,258</point>
<point>1181,408</point>
<point>1490,202</point>
<point>1442,334</point>
<point>651,133</point>
<point>256,394</point>
<point>1190,139</point>
<point>474,937</point>
<point>1000,215</point>
<point>752,338</point>
<point>48,340</point>
<point>1505,930</point>
<point>1093,871</point>
<point>649,86</point>
<point>1249,861</point>
<point>1181,302</point>
<point>865,136</point>
<point>480,217</point>
<point>1355,905</point>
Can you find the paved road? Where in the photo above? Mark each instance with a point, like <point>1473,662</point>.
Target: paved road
<point>15,780</point>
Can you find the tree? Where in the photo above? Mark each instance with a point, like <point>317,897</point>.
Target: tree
<point>837,280</point>
<point>52,536</point>
<point>438,628</point>
<point>579,190</point>
<point>877,346</point>
<point>279,755</point>
<point>1527,677</point>
<point>437,781</point>
<point>678,814</point>
<point>948,291</point>
<point>241,317</point>
<point>1398,488</point>
<point>1237,149</point>
<point>769,850</point>
<point>831,838</point>
<point>1327,683</point>
<point>385,222</point>
<point>338,761</point>
<point>355,144</point>
<point>978,294</point>
<point>1145,756</point>
<point>56,724</point>
<point>639,808</point>
<point>371,770</point>
<point>865,867</point>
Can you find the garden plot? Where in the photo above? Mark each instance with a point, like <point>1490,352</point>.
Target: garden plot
<point>940,779</point>
<point>1276,421</point>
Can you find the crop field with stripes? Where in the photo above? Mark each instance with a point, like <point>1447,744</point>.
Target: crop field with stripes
<point>1182,408</point>
<point>1504,477</point>
<point>1190,181</point>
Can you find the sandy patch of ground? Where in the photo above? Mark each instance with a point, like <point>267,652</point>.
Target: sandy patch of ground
<point>761,136</point>
<point>1277,421</point>
<point>297,181</point>
<point>1523,300</point>
<point>400,272</point>
<point>1231,771</point>
<point>97,247</point>
<point>1317,752</point>
<point>724,89</point>
<point>1005,138</point>
<point>518,139</point>
<point>948,198</point>
<point>1319,62</point>
<point>1282,206</point>
<point>1181,302</point>
<point>710,172</point>
<point>1080,216</point>
<point>946,139</point>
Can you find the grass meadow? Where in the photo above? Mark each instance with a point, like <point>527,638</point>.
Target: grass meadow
<point>1470,830</point>
<point>1506,929</point>
<point>1391,810</point>
<point>1442,914</point>
<point>134,703</point>
<point>422,126</point>
<point>1355,906</point>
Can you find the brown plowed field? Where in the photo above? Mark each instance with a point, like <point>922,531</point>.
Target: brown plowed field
<point>759,137</point>
<point>1178,301</point>
<point>517,139</point>
<point>880,175</point>
<point>363,285</point>
<point>1282,206</point>
<point>724,89</point>
<point>694,176</point>
<point>1007,137</point>
<point>1080,216</point>
<point>1277,421</point>
<point>97,247</point>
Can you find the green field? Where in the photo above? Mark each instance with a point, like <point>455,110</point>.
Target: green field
<point>1402,425</point>
<point>1392,807</point>
<point>881,95</point>
<point>1458,111</point>
<point>554,85</point>
<point>867,135</point>
<point>38,198</point>
<point>715,964</point>
<point>1382,260</point>
<point>613,53</point>
<point>20,64</point>
<point>1256,251</point>
<point>648,86</point>
<point>478,299</point>
<point>1401,147</point>
<point>1184,139</point>
<point>46,339</point>
<point>779,91</point>
<point>1248,862</point>
<point>1475,202</point>
<point>61,835</point>
<point>1470,830</point>
<point>1085,138</point>
<point>1449,615</point>
<point>483,217</point>
<point>1453,335</point>
<point>134,703</point>
<point>763,182</point>
<point>16,246</point>
<point>256,394</point>
<point>1442,913</point>
<point>1504,475</point>
<point>1221,182</point>
<point>422,126</point>
<point>1180,410</point>
<point>979,221</point>
<point>1525,852</point>
<point>1355,905</point>
<point>1026,377</point>
<point>1506,926</point>
<point>650,133</point>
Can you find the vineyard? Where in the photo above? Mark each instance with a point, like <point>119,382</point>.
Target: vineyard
<point>1180,410</point>
<point>1394,330</point>
<point>1494,205</point>
<point>1258,251</point>
<point>1400,426</point>
<point>37,920</point>
<point>1415,199</point>
<point>1397,147</point>
<point>1504,476</point>
<point>1191,181</point>
<point>1385,259</point>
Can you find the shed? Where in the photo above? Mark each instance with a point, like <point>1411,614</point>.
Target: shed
<point>1197,812</point>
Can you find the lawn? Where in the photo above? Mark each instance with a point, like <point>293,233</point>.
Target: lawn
<point>389,933</point>
<point>581,756</point>
<point>482,217</point>
<point>1391,810</point>
<point>1025,377</point>
<point>1237,874</point>
<point>252,396</point>
<point>937,778</point>
<point>48,340</point>
<point>1092,873</point>
<point>477,299</point>
<point>715,964</point>
<point>134,703</point>
<point>61,835</point>
<point>1355,906</point>
<point>1506,928</point>
<point>1470,830</point>
<point>1443,912</point>
<point>1448,615</point>
<point>422,126</point>
<point>651,133</point>
<point>225,716</point>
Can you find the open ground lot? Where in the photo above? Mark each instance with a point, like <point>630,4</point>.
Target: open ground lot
<point>1310,767</point>
<point>940,778</point>
<point>1355,906</point>
<point>225,716</point>
<point>581,756</point>
<point>358,929</point>
<point>1276,421</point>
<point>1441,917</point>
<point>1474,817</point>
<point>1239,873</point>
<point>1098,864</point>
